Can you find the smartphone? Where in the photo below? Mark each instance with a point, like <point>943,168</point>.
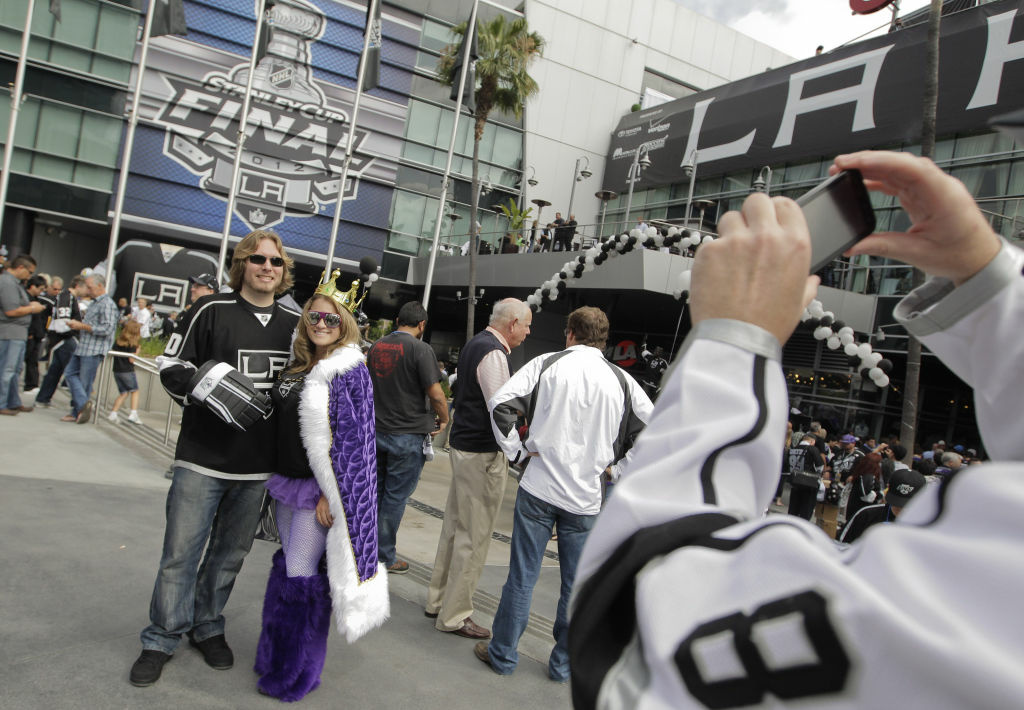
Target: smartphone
<point>838,214</point>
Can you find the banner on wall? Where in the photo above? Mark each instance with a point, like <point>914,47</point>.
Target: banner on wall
<point>863,95</point>
<point>295,135</point>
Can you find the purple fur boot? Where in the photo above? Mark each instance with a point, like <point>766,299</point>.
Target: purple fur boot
<point>293,644</point>
<point>264,651</point>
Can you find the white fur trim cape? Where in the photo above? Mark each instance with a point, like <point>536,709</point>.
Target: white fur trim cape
<point>358,606</point>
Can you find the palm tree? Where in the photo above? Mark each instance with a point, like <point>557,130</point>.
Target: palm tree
<point>506,49</point>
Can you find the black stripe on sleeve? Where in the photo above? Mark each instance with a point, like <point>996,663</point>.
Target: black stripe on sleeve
<point>707,471</point>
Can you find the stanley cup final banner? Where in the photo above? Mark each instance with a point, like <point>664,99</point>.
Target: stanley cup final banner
<point>300,114</point>
<point>864,95</point>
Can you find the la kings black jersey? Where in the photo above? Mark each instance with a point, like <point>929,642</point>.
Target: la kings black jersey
<point>226,328</point>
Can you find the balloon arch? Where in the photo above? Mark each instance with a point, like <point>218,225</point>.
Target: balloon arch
<point>815,318</point>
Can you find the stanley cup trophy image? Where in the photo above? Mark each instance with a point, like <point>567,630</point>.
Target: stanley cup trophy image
<point>291,148</point>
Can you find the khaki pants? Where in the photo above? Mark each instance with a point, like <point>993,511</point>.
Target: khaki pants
<point>474,499</point>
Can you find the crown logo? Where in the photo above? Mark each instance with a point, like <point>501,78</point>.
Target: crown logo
<point>345,299</point>
<point>257,216</point>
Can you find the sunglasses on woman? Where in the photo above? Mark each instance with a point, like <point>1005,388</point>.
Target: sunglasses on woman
<point>260,260</point>
<point>331,320</point>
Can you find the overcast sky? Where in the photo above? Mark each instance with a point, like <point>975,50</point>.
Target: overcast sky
<point>797,27</point>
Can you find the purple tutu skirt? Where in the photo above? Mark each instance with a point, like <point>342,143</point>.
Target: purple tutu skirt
<point>298,493</point>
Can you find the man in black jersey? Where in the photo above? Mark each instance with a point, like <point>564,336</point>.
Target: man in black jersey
<point>220,363</point>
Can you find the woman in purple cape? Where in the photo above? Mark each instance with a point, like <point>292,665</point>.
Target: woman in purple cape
<point>325,496</point>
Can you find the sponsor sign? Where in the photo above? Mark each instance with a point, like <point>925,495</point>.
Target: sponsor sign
<point>625,353</point>
<point>863,95</point>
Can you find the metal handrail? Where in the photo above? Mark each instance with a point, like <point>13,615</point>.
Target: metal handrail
<point>147,365</point>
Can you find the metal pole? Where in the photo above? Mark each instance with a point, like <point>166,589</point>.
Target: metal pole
<point>600,230</point>
<point>129,142</point>
<point>351,141</point>
<point>239,143</point>
<point>693,181</point>
<point>467,42</point>
<point>633,168</point>
<point>19,83</point>
<point>572,192</point>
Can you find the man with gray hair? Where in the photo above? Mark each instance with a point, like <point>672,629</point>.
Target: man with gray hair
<point>479,471</point>
<point>96,333</point>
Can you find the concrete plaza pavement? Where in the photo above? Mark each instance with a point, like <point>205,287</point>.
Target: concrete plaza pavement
<point>81,526</point>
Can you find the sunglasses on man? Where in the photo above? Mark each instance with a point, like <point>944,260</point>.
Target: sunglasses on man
<point>331,320</point>
<point>260,260</point>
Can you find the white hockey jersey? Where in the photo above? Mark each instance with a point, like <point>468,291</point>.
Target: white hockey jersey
<point>687,597</point>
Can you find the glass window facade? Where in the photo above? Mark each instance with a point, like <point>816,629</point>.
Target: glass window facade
<point>70,124</point>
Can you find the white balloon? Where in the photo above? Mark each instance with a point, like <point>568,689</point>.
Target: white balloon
<point>845,338</point>
<point>589,266</point>
<point>833,342</point>
<point>532,299</point>
<point>673,231</point>
<point>588,260</point>
<point>864,350</point>
<point>634,232</point>
<point>707,238</point>
<point>553,294</point>
<point>593,251</point>
<point>846,329</point>
<point>683,280</point>
<point>874,358</point>
<point>822,332</point>
<point>651,231</point>
<point>882,381</point>
<point>851,349</point>
<point>658,240</point>
<point>815,309</point>
<point>677,294</point>
<point>623,238</point>
<point>374,276</point>
<point>874,373</point>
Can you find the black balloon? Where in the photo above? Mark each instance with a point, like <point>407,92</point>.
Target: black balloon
<point>864,373</point>
<point>838,325</point>
<point>560,286</point>
<point>581,259</point>
<point>649,242</point>
<point>812,323</point>
<point>826,320</point>
<point>854,360</point>
<point>885,366</point>
<point>368,265</point>
<point>562,275</point>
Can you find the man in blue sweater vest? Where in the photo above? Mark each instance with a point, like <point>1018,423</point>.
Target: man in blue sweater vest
<point>479,471</point>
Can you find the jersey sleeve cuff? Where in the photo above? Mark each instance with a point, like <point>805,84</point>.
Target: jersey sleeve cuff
<point>939,305</point>
<point>746,336</point>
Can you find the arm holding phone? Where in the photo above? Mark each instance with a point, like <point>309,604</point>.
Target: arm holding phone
<point>681,557</point>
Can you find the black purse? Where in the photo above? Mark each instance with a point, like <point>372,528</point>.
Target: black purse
<point>266,529</point>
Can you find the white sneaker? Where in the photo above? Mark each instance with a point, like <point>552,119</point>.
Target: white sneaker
<point>112,417</point>
<point>133,417</point>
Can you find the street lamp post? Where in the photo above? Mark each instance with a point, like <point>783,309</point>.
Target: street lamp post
<point>763,181</point>
<point>605,196</point>
<point>524,181</point>
<point>641,161</point>
<point>578,176</point>
<point>690,172</point>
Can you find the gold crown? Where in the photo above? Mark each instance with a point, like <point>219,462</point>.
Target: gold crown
<point>345,299</point>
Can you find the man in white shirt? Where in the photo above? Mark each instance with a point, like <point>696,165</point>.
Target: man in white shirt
<point>577,404</point>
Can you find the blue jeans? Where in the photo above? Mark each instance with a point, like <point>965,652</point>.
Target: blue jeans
<point>199,507</point>
<point>12,357</point>
<point>531,530</point>
<point>59,359</point>
<point>399,464</point>
<point>80,373</point>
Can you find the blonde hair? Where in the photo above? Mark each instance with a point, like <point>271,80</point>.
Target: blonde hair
<point>130,334</point>
<point>248,246</point>
<point>304,352</point>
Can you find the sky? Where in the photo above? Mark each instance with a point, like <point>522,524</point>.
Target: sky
<point>797,27</point>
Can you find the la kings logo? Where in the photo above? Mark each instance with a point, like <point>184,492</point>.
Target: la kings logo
<point>295,141</point>
<point>262,366</point>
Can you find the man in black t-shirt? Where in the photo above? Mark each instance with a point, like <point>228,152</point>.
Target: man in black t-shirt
<point>405,378</point>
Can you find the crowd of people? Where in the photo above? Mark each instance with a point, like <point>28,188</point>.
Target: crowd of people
<point>676,590</point>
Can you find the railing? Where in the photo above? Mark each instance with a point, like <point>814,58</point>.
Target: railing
<point>146,365</point>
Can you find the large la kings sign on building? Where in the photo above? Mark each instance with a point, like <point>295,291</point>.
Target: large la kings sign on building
<point>863,95</point>
<point>295,136</point>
